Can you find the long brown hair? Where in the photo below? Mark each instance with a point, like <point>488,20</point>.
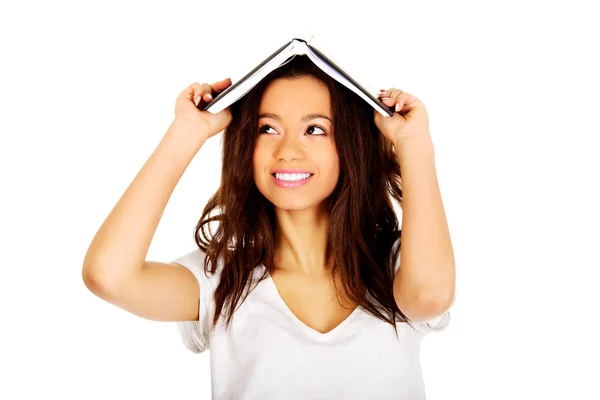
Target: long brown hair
<point>363,226</point>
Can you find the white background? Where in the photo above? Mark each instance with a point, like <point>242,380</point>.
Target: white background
<point>511,87</point>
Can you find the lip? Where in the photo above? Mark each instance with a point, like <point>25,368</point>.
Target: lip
<point>287,184</point>
<point>291,171</point>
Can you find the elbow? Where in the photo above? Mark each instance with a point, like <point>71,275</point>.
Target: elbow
<point>424,306</point>
<point>101,285</point>
<point>439,296</point>
<point>93,282</point>
<point>436,303</point>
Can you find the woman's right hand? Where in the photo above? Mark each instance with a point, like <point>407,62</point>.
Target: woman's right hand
<point>189,114</point>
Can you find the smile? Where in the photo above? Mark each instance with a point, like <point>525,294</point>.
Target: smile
<point>291,180</point>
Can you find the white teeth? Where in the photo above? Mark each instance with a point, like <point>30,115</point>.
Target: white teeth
<point>291,177</point>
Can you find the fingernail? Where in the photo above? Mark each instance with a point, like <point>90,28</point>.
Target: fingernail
<point>397,107</point>
<point>384,93</point>
<point>197,101</point>
<point>209,96</point>
<point>385,98</point>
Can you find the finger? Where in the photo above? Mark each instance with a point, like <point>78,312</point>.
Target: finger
<point>406,102</point>
<point>188,92</point>
<point>389,96</point>
<point>192,93</point>
<point>210,91</point>
<point>397,98</point>
<point>388,101</point>
<point>221,85</point>
<point>394,93</point>
<point>206,93</point>
<point>387,92</point>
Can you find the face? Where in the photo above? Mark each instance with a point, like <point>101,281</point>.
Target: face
<point>296,134</point>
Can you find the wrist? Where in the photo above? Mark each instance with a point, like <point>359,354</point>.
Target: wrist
<point>182,131</point>
<point>419,147</point>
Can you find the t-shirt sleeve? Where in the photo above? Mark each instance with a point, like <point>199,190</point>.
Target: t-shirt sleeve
<point>436,324</point>
<point>195,334</point>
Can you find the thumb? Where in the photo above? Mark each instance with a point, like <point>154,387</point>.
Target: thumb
<point>380,120</point>
<point>220,120</point>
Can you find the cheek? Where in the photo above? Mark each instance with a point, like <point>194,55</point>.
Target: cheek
<point>259,161</point>
<point>331,164</point>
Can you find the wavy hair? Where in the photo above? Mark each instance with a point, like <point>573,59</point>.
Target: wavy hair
<point>363,226</point>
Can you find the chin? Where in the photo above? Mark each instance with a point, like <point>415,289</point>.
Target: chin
<point>296,199</point>
<point>291,203</point>
<point>290,200</point>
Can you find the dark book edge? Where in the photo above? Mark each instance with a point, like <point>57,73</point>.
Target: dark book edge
<point>315,50</point>
<point>389,110</point>
<point>245,77</point>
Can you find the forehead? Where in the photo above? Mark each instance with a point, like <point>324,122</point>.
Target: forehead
<point>296,96</point>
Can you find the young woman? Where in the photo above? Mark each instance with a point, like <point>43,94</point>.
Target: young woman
<point>296,288</point>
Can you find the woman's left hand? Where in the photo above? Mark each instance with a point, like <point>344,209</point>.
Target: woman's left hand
<point>409,121</point>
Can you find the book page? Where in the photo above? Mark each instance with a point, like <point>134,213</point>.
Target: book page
<point>344,78</point>
<point>246,83</point>
<point>342,53</point>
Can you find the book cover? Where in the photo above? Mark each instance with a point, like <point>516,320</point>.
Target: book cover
<point>280,57</point>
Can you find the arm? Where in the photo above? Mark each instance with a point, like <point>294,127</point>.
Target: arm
<point>115,267</point>
<point>424,284</point>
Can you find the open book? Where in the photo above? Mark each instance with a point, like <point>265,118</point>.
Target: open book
<point>279,58</point>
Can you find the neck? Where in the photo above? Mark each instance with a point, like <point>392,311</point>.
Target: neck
<point>301,241</point>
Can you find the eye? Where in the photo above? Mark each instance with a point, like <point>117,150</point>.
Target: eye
<point>265,128</point>
<point>311,128</point>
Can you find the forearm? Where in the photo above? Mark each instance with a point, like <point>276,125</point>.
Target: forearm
<point>119,248</point>
<point>427,272</point>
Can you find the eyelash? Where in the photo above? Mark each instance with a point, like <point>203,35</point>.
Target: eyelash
<point>265,126</point>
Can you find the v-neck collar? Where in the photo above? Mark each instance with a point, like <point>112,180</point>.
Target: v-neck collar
<point>274,291</point>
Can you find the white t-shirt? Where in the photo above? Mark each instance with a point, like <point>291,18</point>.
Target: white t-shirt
<point>269,354</point>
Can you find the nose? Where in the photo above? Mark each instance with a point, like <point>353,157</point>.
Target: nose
<point>289,148</point>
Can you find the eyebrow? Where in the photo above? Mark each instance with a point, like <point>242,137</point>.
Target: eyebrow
<point>307,117</point>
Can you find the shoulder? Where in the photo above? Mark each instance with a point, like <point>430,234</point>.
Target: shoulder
<point>194,260</point>
<point>195,334</point>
